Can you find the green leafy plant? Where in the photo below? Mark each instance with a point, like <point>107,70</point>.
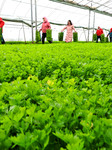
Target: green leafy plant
<point>102,38</point>
<point>72,141</point>
<point>94,37</point>
<point>75,36</point>
<point>60,36</point>
<point>38,38</point>
<point>49,34</point>
<point>106,39</point>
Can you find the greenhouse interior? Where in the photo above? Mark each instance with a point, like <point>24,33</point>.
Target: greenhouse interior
<point>85,15</point>
<point>55,74</point>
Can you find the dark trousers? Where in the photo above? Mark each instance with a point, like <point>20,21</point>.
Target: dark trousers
<point>2,40</point>
<point>43,38</point>
<point>98,37</point>
<point>110,39</point>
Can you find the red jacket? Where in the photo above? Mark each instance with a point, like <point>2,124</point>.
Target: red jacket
<point>45,25</point>
<point>99,32</point>
<point>1,23</point>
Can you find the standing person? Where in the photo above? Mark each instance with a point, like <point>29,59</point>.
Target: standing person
<point>110,34</point>
<point>1,26</point>
<point>70,29</point>
<point>99,32</point>
<point>45,26</point>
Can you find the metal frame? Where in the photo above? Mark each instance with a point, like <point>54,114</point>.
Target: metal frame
<point>15,20</point>
<point>32,20</point>
<point>93,23</point>
<point>35,15</point>
<point>74,4</point>
<point>89,20</point>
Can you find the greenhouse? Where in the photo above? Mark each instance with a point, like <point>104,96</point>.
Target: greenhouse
<point>55,74</point>
<point>86,16</point>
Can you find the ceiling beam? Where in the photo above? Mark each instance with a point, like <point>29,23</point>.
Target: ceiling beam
<point>74,4</point>
<point>16,20</point>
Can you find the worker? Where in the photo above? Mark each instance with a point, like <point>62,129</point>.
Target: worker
<point>99,32</point>
<point>69,29</point>
<point>110,34</point>
<point>1,26</point>
<point>45,26</point>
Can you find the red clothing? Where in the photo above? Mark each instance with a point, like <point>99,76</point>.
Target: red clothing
<point>99,32</point>
<point>110,30</point>
<point>1,23</point>
<point>45,25</point>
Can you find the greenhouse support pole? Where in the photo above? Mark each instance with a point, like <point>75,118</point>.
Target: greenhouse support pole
<point>24,33</point>
<point>93,23</point>
<point>85,35</point>
<point>32,20</point>
<point>89,24</point>
<point>36,15</point>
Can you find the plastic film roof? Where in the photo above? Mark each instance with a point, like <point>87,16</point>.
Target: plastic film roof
<point>100,5</point>
<point>20,9</point>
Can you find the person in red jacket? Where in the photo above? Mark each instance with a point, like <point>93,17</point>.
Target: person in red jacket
<point>45,26</point>
<point>99,32</point>
<point>1,26</point>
